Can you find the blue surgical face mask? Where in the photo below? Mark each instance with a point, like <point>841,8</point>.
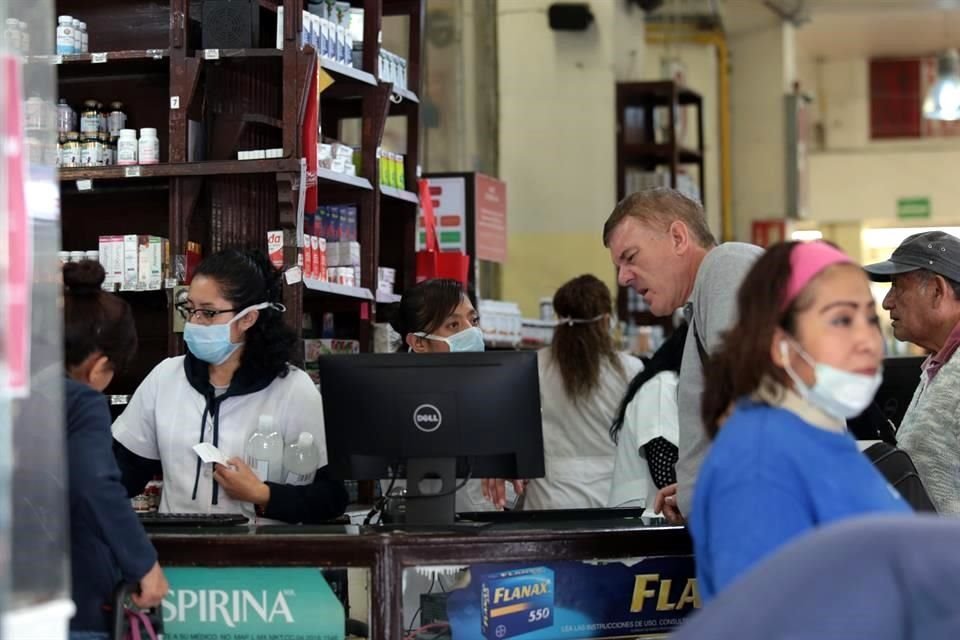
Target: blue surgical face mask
<point>211,342</point>
<point>468,340</point>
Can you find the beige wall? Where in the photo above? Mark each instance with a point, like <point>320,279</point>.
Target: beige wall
<point>557,151</point>
<point>762,62</point>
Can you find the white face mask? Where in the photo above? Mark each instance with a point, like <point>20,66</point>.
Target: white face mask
<point>840,393</point>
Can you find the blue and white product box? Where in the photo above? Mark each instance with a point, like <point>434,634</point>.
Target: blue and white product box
<point>516,602</point>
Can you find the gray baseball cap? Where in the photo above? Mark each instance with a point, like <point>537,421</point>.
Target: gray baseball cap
<point>934,251</point>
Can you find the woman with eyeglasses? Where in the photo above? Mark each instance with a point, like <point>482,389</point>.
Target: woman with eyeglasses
<point>235,371</point>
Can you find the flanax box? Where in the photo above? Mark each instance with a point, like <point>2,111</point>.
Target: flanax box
<point>516,602</point>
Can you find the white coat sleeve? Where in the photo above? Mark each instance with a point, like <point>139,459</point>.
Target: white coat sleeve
<point>136,428</point>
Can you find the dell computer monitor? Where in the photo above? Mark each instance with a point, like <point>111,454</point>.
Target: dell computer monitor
<point>444,415</point>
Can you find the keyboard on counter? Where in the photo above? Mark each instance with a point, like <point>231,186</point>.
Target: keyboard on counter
<point>154,519</point>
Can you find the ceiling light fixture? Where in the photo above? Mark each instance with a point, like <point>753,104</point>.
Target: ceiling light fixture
<point>943,99</point>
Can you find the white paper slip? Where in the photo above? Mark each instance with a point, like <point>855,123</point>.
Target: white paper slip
<point>209,453</point>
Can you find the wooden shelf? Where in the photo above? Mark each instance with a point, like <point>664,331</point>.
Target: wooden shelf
<point>398,194</point>
<point>337,289</point>
<point>100,57</point>
<point>342,72</point>
<point>184,169</point>
<point>213,55</point>
<point>660,153</point>
<point>326,175</point>
<point>406,94</point>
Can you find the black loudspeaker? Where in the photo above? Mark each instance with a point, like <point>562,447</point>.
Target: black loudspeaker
<point>230,24</point>
<point>569,16</point>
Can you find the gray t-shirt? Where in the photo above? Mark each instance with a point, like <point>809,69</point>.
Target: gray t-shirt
<point>712,311</point>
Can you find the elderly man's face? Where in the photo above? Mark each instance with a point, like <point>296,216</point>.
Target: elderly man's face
<point>910,306</point>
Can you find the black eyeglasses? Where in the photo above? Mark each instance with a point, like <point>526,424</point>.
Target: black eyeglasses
<point>189,313</point>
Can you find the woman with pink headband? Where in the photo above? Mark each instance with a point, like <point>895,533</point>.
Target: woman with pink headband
<point>805,355</point>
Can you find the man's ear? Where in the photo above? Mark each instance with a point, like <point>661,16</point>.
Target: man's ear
<point>941,291</point>
<point>679,237</point>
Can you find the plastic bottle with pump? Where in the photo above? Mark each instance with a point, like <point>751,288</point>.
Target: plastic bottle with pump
<point>264,451</point>
<point>300,460</point>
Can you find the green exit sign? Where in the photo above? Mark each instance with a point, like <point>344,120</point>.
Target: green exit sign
<point>910,208</point>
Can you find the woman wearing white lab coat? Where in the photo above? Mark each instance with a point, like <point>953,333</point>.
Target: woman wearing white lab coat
<point>235,370</point>
<point>582,380</point>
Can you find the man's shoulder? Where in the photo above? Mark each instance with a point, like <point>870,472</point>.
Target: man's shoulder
<point>725,266</point>
<point>731,253</point>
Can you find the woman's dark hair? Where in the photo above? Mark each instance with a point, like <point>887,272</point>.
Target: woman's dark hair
<point>95,321</point>
<point>667,358</point>
<point>581,348</point>
<point>425,306</point>
<point>247,277</point>
<point>743,364</point>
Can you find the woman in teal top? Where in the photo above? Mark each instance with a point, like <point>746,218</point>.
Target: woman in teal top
<point>805,355</point>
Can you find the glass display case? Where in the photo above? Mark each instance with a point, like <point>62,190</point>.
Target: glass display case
<point>33,519</point>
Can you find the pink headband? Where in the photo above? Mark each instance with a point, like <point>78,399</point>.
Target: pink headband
<point>807,260</point>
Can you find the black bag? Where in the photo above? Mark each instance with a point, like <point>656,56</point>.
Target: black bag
<point>896,466</point>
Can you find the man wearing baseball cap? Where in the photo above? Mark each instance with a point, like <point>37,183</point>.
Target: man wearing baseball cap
<point>924,304</point>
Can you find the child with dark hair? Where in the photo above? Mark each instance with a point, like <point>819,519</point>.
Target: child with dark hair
<point>236,370</point>
<point>804,356</point>
<point>108,544</point>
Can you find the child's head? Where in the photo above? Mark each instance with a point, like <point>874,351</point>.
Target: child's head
<point>99,336</point>
<point>805,313</point>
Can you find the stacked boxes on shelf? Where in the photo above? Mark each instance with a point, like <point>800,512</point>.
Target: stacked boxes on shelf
<point>135,262</point>
<point>386,279</point>
<point>327,28</point>
<point>337,157</point>
<point>331,252</point>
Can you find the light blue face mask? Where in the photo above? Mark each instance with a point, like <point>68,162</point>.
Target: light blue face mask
<point>468,340</point>
<point>211,342</point>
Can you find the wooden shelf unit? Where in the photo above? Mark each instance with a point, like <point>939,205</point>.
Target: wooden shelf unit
<point>209,104</point>
<point>640,148</point>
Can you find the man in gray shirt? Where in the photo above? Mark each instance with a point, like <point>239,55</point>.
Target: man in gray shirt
<point>662,248</point>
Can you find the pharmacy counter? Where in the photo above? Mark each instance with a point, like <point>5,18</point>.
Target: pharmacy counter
<point>581,578</point>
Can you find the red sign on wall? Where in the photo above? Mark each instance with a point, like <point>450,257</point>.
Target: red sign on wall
<point>490,226</point>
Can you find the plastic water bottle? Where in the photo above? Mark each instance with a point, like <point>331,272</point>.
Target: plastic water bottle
<point>264,451</point>
<point>301,459</point>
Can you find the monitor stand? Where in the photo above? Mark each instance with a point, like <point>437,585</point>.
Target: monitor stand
<point>426,511</point>
<point>429,509</point>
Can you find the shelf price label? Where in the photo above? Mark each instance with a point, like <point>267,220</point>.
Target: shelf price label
<point>98,58</point>
<point>131,172</point>
<point>84,185</point>
<point>156,54</point>
<point>58,59</point>
<point>211,54</point>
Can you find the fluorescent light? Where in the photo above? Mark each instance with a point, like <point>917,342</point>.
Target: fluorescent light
<point>943,99</point>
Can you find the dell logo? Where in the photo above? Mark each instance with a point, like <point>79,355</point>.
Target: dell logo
<point>427,418</point>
